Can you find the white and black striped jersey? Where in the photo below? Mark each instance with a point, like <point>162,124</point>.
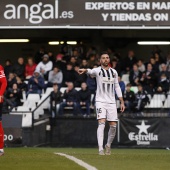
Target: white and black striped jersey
<point>107,84</point>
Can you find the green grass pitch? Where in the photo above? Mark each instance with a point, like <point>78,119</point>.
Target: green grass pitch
<point>121,159</point>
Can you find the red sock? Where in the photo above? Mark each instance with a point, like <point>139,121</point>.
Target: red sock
<point>1,136</point>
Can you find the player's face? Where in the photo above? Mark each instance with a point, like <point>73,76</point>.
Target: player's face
<point>104,60</point>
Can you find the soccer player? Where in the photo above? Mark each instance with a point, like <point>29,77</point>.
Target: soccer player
<point>107,85</point>
<point>3,84</point>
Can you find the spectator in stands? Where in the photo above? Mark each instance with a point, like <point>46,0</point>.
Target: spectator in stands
<point>156,49</point>
<point>141,99</point>
<point>155,66</point>
<point>19,68</point>
<point>21,85</point>
<point>69,99</point>
<point>13,96</point>
<point>141,66</point>
<point>73,61</point>
<point>35,83</point>
<point>29,68</point>
<point>68,74</point>
<point>55,100</point>
<point>7,67</point>
<point>163,70</point>
<point>111,53</point>
<point>148,79</point>
<point>79,79</point>
<point>39,55</point>
<point>90,51</point>
<point>55,77</point>
<point>92,86</point>
<point>129,98</point>
<point>45,66</point>
<point>51,56</point>
<point>11,80</point>
<point>121,84</point>
<point>116,65</point>
<point>84,97</point>
<point>129,61</point>
<point>158,58</point>
<point>135,75</point>
<point>77,56</point>
<point>84,64</point>
<point>60,63</point>
<point>92,61</point>
<point>67,52</point>
<point>163,85</point>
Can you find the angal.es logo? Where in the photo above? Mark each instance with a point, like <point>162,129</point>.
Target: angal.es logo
<point>143,137</point>
<point>37,12</point>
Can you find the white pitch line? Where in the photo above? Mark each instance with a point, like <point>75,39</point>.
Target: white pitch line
<point>77,161</point>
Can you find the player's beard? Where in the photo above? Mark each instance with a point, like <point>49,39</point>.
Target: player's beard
<point>105,64</point>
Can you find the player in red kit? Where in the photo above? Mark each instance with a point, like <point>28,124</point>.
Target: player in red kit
<point>3,84</point>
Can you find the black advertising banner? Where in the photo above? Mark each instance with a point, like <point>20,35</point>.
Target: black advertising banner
<point>12,129</point>
<point>145,132</point>
<point>12,136</point>
<point>84,14</point>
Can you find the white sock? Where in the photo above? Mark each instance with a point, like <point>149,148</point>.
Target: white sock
<point>1,150</point>
<point>111,135</point>
<point>100,135</point>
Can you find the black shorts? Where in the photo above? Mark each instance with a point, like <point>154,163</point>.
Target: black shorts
<point>1,104</point>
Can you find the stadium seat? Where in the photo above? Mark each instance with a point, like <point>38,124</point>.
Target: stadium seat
<point>37,112</point>
<point>149,96</point>
<point>155,104</point>
<point>159,97</point>
<point>125,77</point>
<point>126,82</point>
<point>78,88</point>
<point>45,104</point>
<point>20,110</point>
<point>23,108</point>
<point>23,96</point>
<point>31,100</point>
<point>48,90</point>
<point>167,102</point>
<point>27,120</point>
<point>62,89</point>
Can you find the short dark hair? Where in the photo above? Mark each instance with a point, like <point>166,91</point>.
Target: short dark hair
<point>55,84</point>
<point>128,85</point>
<point>56,67</point>
<point>104,52</point>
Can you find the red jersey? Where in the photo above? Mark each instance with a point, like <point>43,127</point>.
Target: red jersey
<point>3,81</point>
<point>29,70</point>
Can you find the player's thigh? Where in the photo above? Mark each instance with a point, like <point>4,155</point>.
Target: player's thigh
<point>112,113</point>
<point>100,111</point>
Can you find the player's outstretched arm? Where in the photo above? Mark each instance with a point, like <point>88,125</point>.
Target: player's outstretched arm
<point>82,70</point>
<point>91,72</point>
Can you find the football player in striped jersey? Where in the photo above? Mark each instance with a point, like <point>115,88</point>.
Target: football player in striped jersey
<point>107,86</point>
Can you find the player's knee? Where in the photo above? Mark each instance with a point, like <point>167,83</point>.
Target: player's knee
<point>112,123</point>
<point>101,125</point>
